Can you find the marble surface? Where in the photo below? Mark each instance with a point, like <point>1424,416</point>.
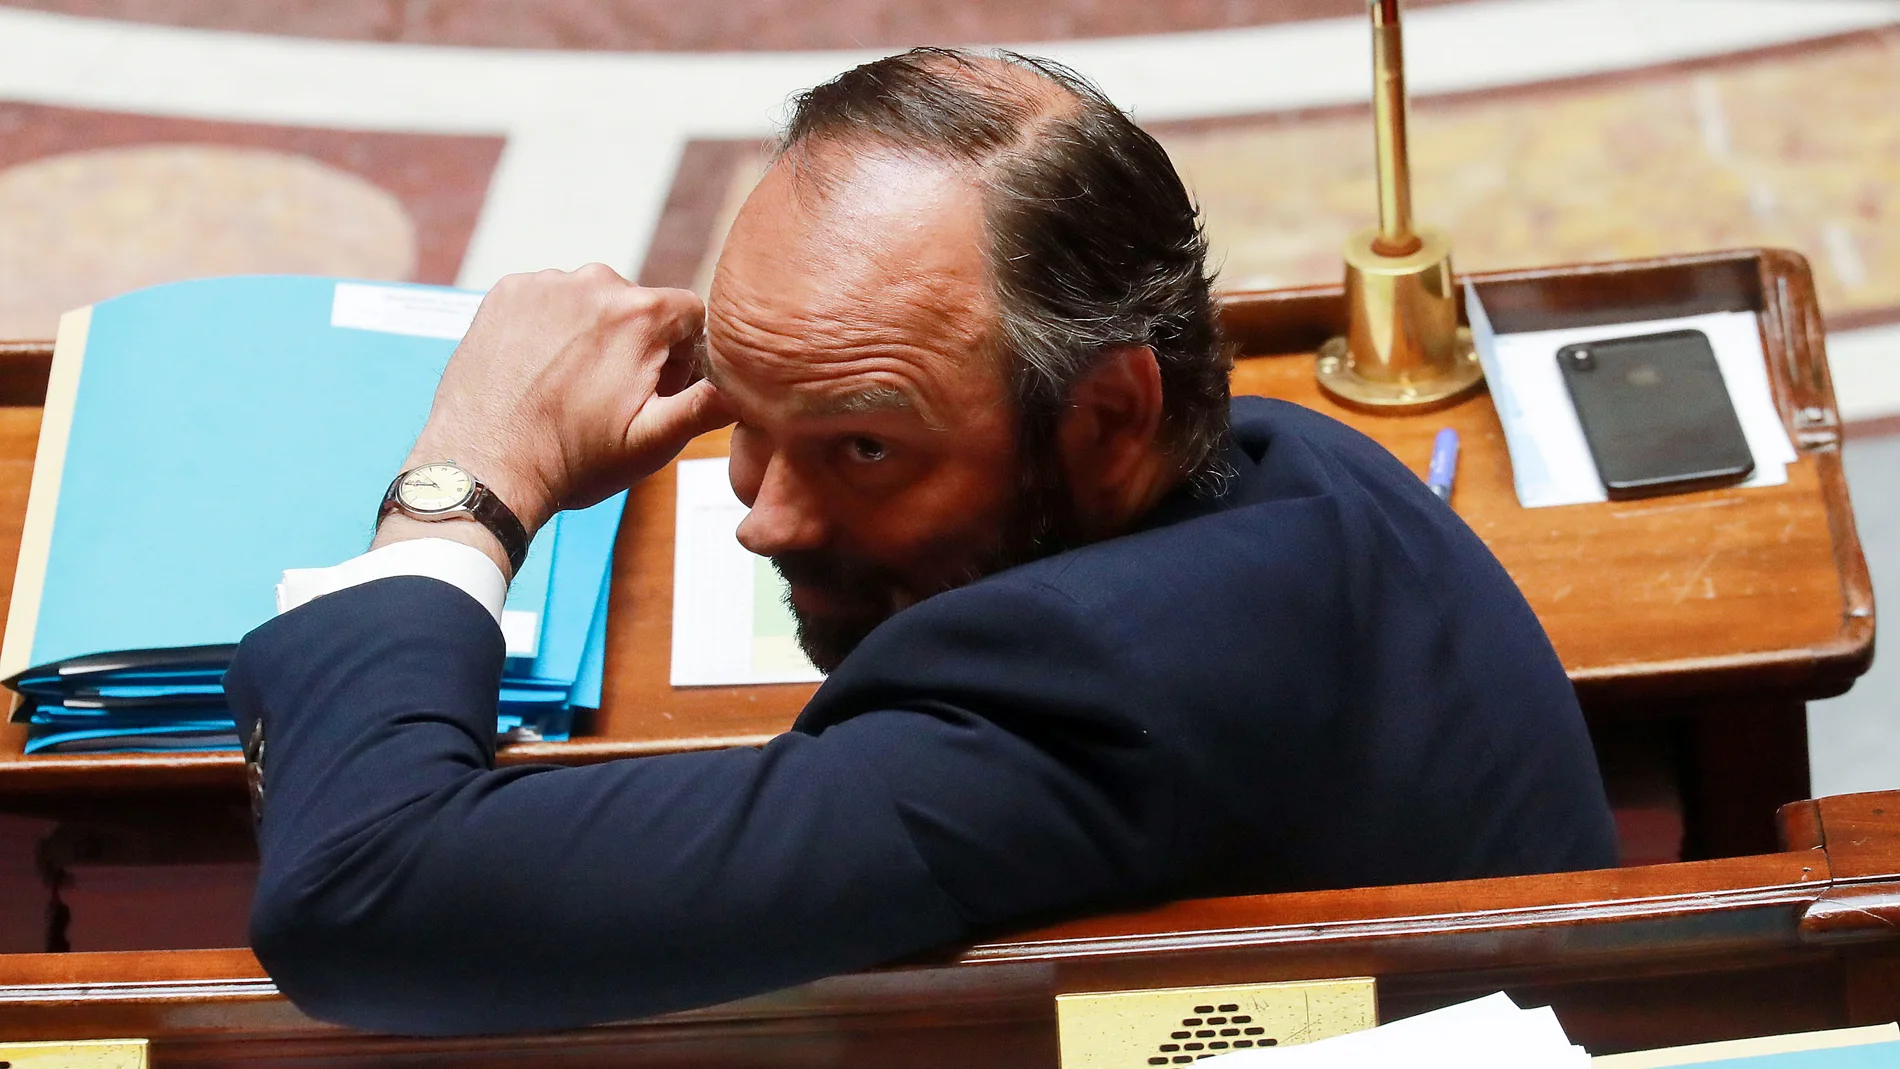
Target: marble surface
<point>745,25</point>
<point>1797,148</point>
<point>95,203</point>
<point>93,224</point>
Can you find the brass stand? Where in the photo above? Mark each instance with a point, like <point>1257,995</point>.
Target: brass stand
<point>1403,347</point>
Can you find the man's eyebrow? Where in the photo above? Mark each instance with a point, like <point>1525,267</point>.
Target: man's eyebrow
<point>859,402</point>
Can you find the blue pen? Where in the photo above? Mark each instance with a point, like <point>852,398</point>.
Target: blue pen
<point>1444,466</point>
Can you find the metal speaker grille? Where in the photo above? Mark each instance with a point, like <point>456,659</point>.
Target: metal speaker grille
<point>1180,1026</point>
<point>1214,1029</point>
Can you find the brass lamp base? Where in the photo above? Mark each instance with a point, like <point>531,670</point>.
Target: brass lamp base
<point>1337,377</point>
<point>1403,347</point>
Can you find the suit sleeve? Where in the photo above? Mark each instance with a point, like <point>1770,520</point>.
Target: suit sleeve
<point>408,886</point>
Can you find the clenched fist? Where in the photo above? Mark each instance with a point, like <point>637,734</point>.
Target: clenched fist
<point>569,387</point>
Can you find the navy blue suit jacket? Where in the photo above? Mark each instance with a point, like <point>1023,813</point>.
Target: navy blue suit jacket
<point>1319,679</point>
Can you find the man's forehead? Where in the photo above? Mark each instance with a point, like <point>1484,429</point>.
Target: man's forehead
<point>836,226</point>
<point>843,395</point>
<point>881,264</point>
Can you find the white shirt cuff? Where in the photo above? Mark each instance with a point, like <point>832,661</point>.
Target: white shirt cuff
<point>458,565</point>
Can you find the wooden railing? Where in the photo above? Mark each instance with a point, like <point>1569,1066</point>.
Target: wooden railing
<point>1805,938</point>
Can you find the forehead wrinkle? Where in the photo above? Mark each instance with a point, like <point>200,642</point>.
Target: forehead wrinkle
<point>854,308</point>
<point>858,317</point>
<point>855,236</point>
<point>820,338</point>
<point>818,342</point>
<point>891,386</point>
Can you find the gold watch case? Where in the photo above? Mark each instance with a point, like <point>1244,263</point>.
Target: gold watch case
<point>435,490</point>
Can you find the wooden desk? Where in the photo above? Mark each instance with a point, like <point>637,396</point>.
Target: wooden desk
<point>1695,627</point>
<point>1805,938</point>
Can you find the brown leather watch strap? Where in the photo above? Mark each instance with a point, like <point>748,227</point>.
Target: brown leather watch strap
<point>501,521</point>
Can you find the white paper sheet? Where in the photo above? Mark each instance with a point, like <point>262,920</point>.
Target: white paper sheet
<point>423,313</point>
<point>1486,1033</point>
<point>730,622</point>
<point>1550,458</point>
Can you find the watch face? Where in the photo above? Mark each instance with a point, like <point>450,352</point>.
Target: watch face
<point>434,488</point>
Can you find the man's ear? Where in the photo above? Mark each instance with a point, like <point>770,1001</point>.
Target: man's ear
<point>1110,433</point>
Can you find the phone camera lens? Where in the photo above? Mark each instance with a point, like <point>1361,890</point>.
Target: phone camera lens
<point>1582,360</point>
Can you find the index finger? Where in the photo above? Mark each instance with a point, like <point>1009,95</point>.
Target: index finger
<point>675,315</point>
<point>685,364</point>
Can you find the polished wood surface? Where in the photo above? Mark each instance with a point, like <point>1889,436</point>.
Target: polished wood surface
<point>1630,958</point>
<point>1704,598</point>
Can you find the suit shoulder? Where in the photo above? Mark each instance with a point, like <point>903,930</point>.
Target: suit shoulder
<point>1260,422</point>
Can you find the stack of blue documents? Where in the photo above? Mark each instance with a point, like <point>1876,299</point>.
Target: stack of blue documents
<point>204,437</point>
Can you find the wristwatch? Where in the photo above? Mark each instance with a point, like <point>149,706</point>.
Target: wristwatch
<point>443,491</point>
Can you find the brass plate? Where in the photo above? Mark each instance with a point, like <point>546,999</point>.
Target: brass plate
<point>1181,1025</point>
<point>76,1054</point>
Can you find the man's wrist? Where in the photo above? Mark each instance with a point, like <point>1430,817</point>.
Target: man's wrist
<point>402,527</point>
<point>531,507</point>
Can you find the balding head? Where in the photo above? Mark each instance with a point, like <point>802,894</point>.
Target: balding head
<point>955,106</point>
<point>1093,242</point>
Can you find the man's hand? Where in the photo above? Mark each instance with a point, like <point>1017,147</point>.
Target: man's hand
<point>568,387</point>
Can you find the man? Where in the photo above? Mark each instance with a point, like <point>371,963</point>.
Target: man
<point>1091,644</point>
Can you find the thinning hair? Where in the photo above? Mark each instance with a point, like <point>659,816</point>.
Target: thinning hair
<point>1093,241</point>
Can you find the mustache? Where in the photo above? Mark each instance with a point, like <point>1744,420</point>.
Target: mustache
<point>831,571</point>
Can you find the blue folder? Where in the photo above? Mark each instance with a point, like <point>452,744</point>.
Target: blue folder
<point>201,438</point>
<point>1864,1056</point>
<point>219,432</point>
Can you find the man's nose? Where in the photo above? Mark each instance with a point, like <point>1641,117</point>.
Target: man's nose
<point>785,515</point>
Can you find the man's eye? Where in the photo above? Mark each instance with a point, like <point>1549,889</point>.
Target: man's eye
<point>865,449</point>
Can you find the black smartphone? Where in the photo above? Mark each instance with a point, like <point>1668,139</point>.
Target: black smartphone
<point>1656,413</point>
